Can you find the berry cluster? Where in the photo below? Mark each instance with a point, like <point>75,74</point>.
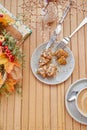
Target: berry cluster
<point>8,53</point>
<point>6,50</point>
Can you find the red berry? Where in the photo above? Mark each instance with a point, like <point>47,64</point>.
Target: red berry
<point>6,47</point>
<point>0,43</point>
<point>1,15</point>
<point>9,54</point>
<point>11,58</point>
<point>8,51</point>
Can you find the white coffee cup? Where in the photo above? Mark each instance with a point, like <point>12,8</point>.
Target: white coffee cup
<point>81,102</point>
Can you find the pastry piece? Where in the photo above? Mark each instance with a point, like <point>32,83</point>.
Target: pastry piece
<point>61,52</point>
<point>62,60</point>
<point>42,71</point>
<point>47,71</point>
<point>51,70</point>
<point>43,61</point>
<point>47,54</point>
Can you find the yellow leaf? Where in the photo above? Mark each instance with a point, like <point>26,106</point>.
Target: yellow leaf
<point>3,60</point>
<point>6,19</point>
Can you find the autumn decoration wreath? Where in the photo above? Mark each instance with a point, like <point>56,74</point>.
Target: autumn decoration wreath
<point>10,58</point>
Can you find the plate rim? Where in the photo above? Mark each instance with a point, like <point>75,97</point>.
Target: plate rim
<point>43,44</point>
<point>68,111</point>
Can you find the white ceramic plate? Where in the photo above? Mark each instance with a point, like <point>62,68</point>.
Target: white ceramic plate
<point>71,106</point>
<point>64,71</point>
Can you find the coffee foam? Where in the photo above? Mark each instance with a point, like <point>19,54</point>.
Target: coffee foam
<point>82,102</point>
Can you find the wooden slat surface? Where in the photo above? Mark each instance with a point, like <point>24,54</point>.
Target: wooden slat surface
<point>41,106</point>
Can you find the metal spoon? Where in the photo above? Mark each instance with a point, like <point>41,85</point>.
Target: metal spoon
<point>72,96</point>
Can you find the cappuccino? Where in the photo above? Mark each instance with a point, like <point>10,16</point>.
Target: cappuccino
<point>82,102</point>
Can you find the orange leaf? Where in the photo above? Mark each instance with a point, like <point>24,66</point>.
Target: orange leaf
<point>10,88</point>
<point>17,63</point>
<point>10,83</point>
<point>9,67</point>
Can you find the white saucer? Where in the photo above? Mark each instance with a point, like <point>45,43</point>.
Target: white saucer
<point>70,106</point>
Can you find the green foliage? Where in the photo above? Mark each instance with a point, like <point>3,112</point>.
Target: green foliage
<point>11,43</point>
<point>18,54</point>
<point>4,91</point>
<point>18,88</point>
<point>9,40</point>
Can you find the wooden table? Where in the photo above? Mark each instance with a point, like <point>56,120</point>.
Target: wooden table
<point>41,106</point>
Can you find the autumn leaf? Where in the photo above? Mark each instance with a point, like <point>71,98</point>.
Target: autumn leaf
<point>9,67</point>
<point>3,59</point>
